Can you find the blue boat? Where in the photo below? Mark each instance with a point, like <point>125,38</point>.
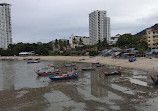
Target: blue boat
<point>88,69</point>
<point>71,75</point>
<point>132,59</point>
<point>112,73</point>
<point>155,80</point>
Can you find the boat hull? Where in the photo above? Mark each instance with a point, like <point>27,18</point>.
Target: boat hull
<point>132,59</point>
<point>63,78</point>
<point>88,69</point>
<point>33,62</point>
<point>155,80</point>
<point>46,73</point>
<point>114,73</point>
<point>100,65</point>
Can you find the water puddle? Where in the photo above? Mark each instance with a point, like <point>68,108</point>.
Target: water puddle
<point>140,77</point>
<point>137,72</point>
<point>139,82</point>
<point>122,89</point>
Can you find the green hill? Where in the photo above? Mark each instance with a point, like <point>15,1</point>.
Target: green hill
<point>143,32</point>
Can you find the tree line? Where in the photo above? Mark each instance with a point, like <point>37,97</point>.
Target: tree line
<point>124,41</point>
<point>15,49</point>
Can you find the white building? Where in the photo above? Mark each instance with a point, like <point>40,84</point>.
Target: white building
<point>5,26</point>
<point>76,41</point>
<point>114,39</point>
<point>99,26</point>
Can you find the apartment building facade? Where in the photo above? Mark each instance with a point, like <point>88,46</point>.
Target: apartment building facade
<point>99,26</point>
<point>5,26</point>
<point>152,36</point>
<point>77,41</point>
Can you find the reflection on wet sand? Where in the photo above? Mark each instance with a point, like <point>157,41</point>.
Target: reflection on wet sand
<point>8,74</point>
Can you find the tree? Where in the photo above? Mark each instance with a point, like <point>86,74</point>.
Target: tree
<point>61,45</point>
<point>74,41</point>
<point>93,53</point>
<point>142,46</point>
<point>81,42</point>
<point>56,43</point>
<point>127,40</point>
<point>105,43</point>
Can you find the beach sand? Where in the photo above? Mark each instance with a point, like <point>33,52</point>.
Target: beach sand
<point>141,62</point>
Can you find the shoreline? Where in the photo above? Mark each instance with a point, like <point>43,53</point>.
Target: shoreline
<point>141,62</point>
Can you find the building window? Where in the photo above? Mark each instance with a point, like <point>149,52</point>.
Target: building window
<point>149,37</point>
<point>148,44</point>
<point>148,40</point>
<point>153,36</point>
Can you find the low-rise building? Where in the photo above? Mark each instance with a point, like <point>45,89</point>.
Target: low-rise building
<point>152,35</point>
<point>77,41</point>
<point>114,39</point>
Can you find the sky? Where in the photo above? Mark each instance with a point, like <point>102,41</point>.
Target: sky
<point>47,20</point>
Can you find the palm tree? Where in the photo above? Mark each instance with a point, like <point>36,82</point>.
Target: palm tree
<point>61,45</point>
<point>56,43</point>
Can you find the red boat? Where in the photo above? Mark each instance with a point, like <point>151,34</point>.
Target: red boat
<point>46,73</point>
<point>155,80</point>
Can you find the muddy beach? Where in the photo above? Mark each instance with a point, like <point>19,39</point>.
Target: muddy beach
<point>142,63</point>
<point>22,90</point>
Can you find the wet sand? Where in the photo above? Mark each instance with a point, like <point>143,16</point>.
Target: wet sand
<point>22,90</point>
<point>141,62</point>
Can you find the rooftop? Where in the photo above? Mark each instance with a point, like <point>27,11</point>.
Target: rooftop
<point>2,4</point>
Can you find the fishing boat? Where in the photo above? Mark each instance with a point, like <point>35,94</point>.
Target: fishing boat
<point>46,73</point>
<point>70,65</point>
<point>100,65</point>
<point>88,69</point>
<point>70,75</point>
<point>33,61</point>
<point>155,80</point>
<point>132,59</point>
<point>95,63</point>
<point>112,73</point>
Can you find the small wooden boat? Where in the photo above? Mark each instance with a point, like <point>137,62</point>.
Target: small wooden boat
<point>155,80</point>
<point>100,65</point>
<point>70,65</point>
<point>88,69</point>
<point>46,73</point>
<point>33,61</point>
<point>70,75</point>
<point>95,63</point>
<point>132,59</point>
<point>112,73</point>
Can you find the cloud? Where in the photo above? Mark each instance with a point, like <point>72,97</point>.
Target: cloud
<point>45,20</point>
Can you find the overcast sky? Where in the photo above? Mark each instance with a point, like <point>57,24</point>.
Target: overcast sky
<point>47,20</point>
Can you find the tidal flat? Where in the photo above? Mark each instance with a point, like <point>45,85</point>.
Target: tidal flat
<point>21,89</point>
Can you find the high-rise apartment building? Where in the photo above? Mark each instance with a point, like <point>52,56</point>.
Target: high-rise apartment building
<point>152,35</point>
<point>99,26</point>
<point>5,26</point>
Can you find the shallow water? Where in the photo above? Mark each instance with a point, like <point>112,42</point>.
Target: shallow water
<point>22,90</point>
